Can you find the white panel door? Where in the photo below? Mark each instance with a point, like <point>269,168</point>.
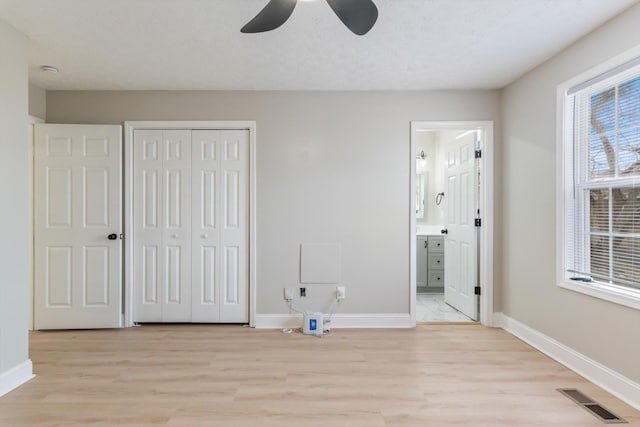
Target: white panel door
<point>234,235</point>
<point>162,236</point>
<point>191,202</point>
<point>460,260</point>
<point>148,200</point>
<point>205,252</point>
<point>176,233</point>
<point>220,223</point>
<point>78,221</point>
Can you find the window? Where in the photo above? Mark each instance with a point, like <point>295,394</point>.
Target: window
<point>601,184</point>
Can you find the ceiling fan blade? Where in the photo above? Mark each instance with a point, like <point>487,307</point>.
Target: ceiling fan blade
<point>274,14</point>
<point>358,15</point>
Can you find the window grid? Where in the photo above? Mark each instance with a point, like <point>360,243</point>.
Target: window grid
<point>585,260</point>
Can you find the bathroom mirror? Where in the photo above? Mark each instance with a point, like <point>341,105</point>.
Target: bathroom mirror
<point>421,186</point>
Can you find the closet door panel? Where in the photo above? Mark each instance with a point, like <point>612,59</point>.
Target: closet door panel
<point>205,175</point>
<point>176,277</point>
<point>191,204</point>
<point>234,232</point>
<point>147,203</point>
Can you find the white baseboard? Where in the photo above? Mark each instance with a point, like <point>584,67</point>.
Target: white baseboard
<point>366,320</point>
<point>610,380</point>
<point>15,377</point>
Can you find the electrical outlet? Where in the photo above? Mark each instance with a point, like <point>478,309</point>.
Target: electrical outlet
<point>303,292</point>
<point>288,294</point>
<point>341,293</point>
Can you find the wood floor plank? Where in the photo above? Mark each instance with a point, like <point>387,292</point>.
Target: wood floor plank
<point>218,375</point>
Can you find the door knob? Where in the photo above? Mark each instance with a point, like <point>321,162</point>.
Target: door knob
<point>204,236</point>
<point>175,236</point>
<point>444,231</point>
<point>112,236</point>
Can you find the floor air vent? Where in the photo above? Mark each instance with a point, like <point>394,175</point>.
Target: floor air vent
<point>592,407</point>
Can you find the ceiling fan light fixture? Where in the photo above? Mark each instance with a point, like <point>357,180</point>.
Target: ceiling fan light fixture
<point>359,16</point>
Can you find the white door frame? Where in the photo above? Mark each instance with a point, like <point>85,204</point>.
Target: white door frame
<point>129,128</point>
<point>33,120</point>
<point>486,213</point>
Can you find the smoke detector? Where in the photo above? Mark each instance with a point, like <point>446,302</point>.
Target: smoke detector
<point>50,69</point>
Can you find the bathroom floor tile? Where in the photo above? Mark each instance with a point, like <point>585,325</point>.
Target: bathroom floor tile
<point>432,308</point>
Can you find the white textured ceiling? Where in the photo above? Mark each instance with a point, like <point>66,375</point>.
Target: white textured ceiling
<point>197,44</point>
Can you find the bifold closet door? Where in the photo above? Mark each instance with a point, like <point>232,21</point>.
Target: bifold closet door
<point>191,226</point>
<point>162,224</point>
<point>220,182</point>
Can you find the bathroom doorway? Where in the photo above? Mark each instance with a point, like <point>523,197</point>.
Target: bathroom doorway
<point>451,219</point>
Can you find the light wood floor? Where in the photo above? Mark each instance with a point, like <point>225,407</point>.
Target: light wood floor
<point>183,375</point>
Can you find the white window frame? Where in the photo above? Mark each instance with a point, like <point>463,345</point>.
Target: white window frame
<point>565,155</point>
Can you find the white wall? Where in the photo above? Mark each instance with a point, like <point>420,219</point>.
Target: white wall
<point>331,167</point>
<point>605,332</point>
<point>14,362</point>
<point>432,143</point>
<point>439,181</point>
<point>442,138</point>
<point>37,102</point>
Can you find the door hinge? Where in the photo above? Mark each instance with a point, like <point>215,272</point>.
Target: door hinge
<point>478,222</point>
<point>478,154</point>
<point>476,290</point>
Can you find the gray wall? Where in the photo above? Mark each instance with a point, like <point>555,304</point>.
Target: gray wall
<point>37,102</point>
<point>13,193</point>
<point>603,331</point>
<point>331,167</point>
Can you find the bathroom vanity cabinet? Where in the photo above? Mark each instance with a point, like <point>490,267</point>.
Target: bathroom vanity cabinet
<point>430,263</point>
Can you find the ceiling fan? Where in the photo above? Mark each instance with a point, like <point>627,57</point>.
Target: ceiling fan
<point>358,15</point>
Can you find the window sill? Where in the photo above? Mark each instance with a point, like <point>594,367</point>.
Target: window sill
<point>627,297</point>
